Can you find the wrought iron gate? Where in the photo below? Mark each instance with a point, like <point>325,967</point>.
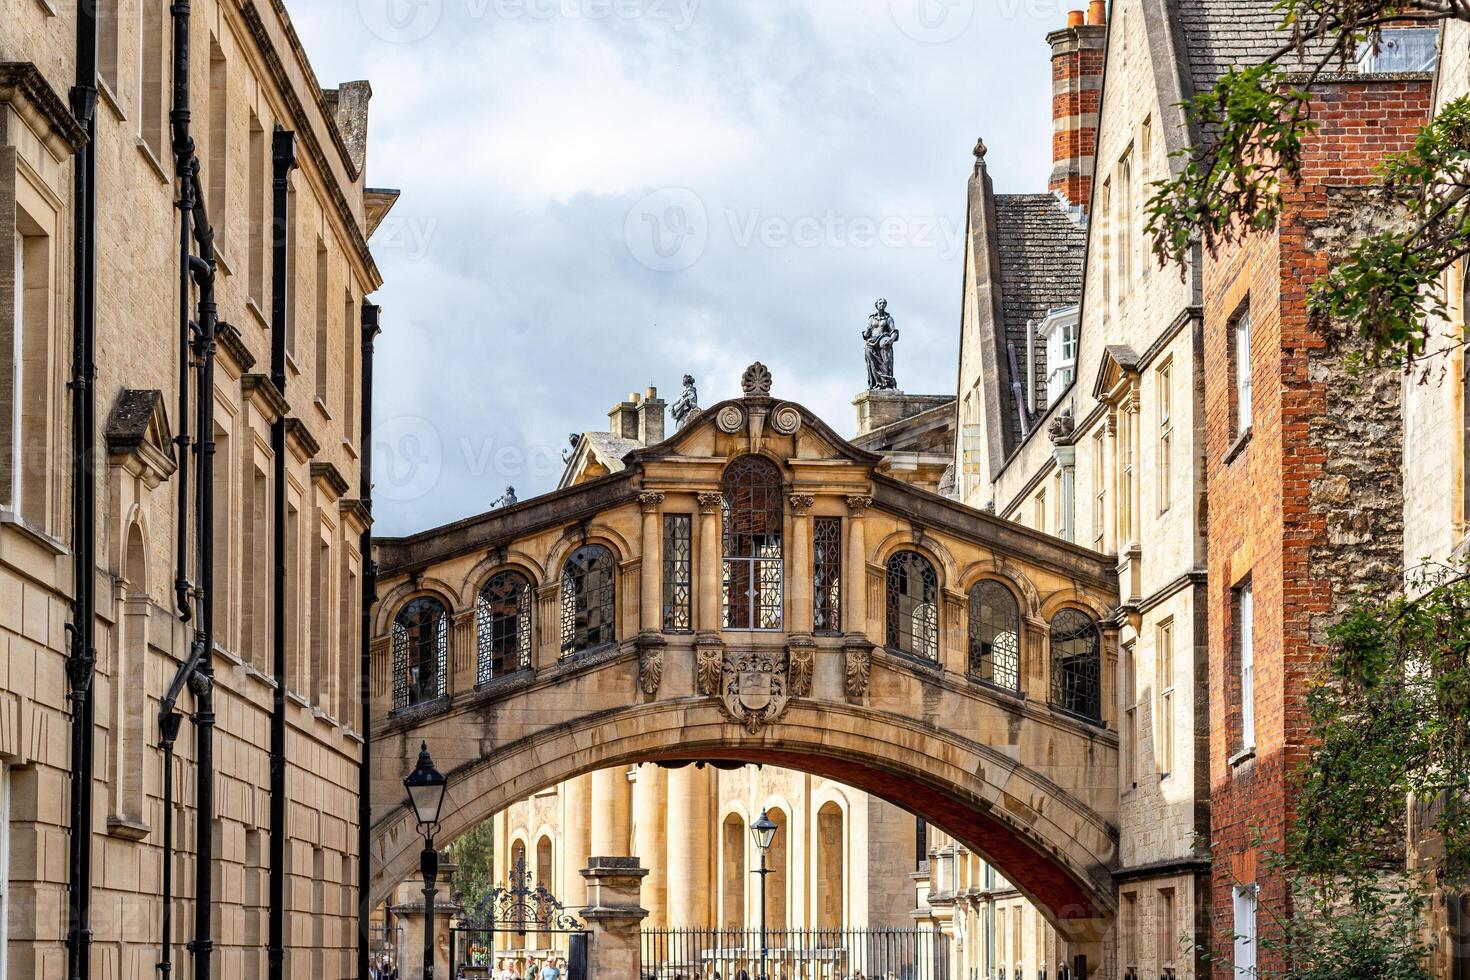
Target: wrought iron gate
<point>517,920</point>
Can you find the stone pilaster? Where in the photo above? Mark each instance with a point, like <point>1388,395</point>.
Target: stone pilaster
<point>708,574</point>
<point>855,575</point>
<point>799,574</point>
<point>650,619</point>
<point>650,800</point>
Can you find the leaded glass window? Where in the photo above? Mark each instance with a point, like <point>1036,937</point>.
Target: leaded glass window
<point>752,542</point>
<point>1076,664</point>
<point>913,605</point>
<point>827,574</point>
<point>588,607</point>
<point>995,635</point>
<point>678,573</point>
<point>503,625</point>
<point>420,652</point>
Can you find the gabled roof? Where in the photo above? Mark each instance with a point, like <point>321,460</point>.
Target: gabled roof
<point>1223,34</point>
<point>605,448</point>
<point>1041,253</point>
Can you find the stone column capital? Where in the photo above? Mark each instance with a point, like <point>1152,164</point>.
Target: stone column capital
<point>801,503</point>
<point>710,501</point>
<point>858,504</point>
<point>649,500</point>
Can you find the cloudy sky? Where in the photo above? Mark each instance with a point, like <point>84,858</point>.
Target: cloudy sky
<point>602,195</point>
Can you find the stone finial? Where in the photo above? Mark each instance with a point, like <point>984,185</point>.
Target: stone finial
<point>979,152</point>
<point>756,381</point>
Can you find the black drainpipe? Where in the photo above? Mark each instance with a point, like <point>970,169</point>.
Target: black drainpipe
<point>283,159</point>
<point>82,657</point>
<point>365,662</point>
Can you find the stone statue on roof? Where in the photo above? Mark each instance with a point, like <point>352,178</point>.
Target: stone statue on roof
<point>687,404</point>
<point>878,341</point>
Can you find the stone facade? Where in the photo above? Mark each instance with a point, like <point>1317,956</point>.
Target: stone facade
<point>248,74</point>
<point>849,703</point>
<point>1111,457</point>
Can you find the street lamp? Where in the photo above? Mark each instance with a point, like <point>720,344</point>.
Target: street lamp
<point>763,831</point>
<point>426,786</point>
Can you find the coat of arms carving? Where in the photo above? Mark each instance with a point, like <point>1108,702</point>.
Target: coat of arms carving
<point>754,687</point>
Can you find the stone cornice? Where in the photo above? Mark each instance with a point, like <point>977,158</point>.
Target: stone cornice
<point>24,87</point>
<point>328,474</point>
<point>227,338</point>
<point>301,438</point>
<point>261,391</point>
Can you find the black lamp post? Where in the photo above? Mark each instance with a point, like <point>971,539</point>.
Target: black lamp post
<point>426,786</point>
<point>763,831</point>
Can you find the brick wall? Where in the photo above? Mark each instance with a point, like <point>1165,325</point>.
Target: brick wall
<point>1308,507</point>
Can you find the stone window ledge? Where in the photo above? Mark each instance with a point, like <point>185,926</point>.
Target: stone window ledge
<point>1242,757</point>
<point>1238,446</point>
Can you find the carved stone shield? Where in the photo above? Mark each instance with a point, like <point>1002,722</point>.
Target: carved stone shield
<point>754,687</point>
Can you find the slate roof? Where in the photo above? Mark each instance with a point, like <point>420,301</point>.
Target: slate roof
<point>1041,252</point>
<point>612,448</point>
<point>1222,34</point>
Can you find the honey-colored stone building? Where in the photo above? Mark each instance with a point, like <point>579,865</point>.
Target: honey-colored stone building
<point>248,77</point>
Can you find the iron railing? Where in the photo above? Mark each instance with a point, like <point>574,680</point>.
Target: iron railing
<point>795,954</point>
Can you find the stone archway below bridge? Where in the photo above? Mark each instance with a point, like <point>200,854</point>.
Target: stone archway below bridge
<point>1047,842</point>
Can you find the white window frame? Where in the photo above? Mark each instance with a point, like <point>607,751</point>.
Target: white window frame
<point>1244,956</point>
<point>1243,379</point>
<point>1059,331</point>
<point>1246,631</point>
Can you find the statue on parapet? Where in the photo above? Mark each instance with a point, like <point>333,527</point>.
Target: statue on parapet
<point>878,341</point>
<point>687,404</point>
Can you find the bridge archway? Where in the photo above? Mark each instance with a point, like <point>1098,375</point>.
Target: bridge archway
<point>1053,847</point>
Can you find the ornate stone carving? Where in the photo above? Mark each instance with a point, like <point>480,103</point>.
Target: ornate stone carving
<point>730,419</point>
<point>756,381</point>
<point>710,501</point>
<point>754,687</point>
<point>707,663</point>
<point>786,419</point>
<point>1060,429</point>
<point>650,663</point>
<point>859,663</point>
<point>649,500</point>
<point>857,504</point>
<point>801,655</point>
<point>801,503</point>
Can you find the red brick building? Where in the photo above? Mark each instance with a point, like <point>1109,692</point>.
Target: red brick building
<point>1304,468</point>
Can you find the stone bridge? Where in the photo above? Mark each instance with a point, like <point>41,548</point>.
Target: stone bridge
<point>756,589</point>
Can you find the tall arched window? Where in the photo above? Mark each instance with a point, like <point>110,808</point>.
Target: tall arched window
<point>503,625</point>
<point>752,566</point>
<point>995,635</point>
<point>420,652</point>
<point>1076,664</point>
<point>588,606</point>
<point>913,605</point>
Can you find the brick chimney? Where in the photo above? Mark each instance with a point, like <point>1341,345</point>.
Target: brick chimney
<point>1076,97</point>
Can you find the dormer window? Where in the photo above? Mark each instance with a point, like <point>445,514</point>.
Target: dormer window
<point>1398,49</point>
<point>1059,330</point>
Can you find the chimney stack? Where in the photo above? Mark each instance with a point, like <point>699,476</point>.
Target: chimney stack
<point>1076,72</point>
<point>651,418</point>
<point>623,417</point>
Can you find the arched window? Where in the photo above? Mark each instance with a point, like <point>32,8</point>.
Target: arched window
<point>420,652</point>
<point>503,625</point>
<point>995,635</point>
<point>1076,664</point>
<point>752,566</point>
<point>913,605</point>
<point>588,607</point>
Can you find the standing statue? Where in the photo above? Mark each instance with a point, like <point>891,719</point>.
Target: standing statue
<point>879,339</point>
<point>687,404</point>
